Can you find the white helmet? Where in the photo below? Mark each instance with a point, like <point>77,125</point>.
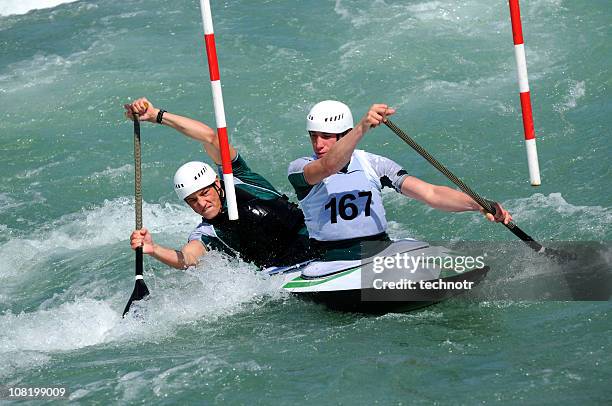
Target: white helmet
<point>329,116</point>
<point>192,177</point>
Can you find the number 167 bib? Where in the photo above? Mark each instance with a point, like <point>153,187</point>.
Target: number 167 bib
<point>346,205</point>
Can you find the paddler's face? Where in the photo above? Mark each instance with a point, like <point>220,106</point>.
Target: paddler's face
<point>206,202</point>
<point>322,142</point>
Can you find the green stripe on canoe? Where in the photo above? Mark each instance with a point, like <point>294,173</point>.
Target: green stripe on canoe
<point>299,282</point>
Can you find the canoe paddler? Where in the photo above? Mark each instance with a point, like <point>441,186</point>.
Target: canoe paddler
<point>270,230</point>
<point>339,187</point>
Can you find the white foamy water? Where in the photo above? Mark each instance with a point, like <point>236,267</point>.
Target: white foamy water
<point>45,69</point>
<point>7,202</point>
<point>113,173</point>
<point>81,316</point>
<point>576,90</point>
<point>12,7</point>
<point>570,222</point>
<point>100,226</point>
<point>218,287</point>
<point>28,339</point>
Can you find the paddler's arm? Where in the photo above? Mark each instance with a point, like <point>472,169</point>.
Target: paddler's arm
<point>340,153</point>
<point>447,199</point>
<point>191,128</point>
<point>188,255</point>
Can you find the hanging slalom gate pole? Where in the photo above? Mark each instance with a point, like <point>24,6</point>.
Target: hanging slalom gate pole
<point>521,66</point>
<point>215,82</point>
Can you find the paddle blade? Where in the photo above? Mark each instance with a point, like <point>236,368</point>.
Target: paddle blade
<point>140,292</point>
<point>561,257</point>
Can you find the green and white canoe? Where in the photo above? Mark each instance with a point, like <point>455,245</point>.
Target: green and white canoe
<point>394,280</point>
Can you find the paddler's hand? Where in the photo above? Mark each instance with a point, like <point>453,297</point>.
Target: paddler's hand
<point>142,238</point>
<point>501,214</point>
<point>376,115</point>
<point>144,108</point>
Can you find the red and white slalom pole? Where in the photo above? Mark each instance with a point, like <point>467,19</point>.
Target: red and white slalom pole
<point>521,66</point>
<point>215,82</point>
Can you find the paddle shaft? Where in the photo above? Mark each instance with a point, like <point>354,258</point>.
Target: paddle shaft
<point>465,188</point>
<point>138,189</point>
<point>140,288</point>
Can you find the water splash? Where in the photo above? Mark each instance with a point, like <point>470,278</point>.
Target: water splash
<point>17,7</point>
<point>575,91</point>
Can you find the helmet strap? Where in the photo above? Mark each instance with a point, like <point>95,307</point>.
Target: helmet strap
<point>221,192</point>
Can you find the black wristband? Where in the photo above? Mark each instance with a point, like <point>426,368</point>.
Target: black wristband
<point>160,116</point>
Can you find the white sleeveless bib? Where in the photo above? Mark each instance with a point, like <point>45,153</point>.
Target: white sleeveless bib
<point>346,205</point>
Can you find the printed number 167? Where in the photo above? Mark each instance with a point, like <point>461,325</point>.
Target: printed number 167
<point>346,208</point>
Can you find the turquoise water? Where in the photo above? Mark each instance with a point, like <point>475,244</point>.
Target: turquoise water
<point>223,334</point>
